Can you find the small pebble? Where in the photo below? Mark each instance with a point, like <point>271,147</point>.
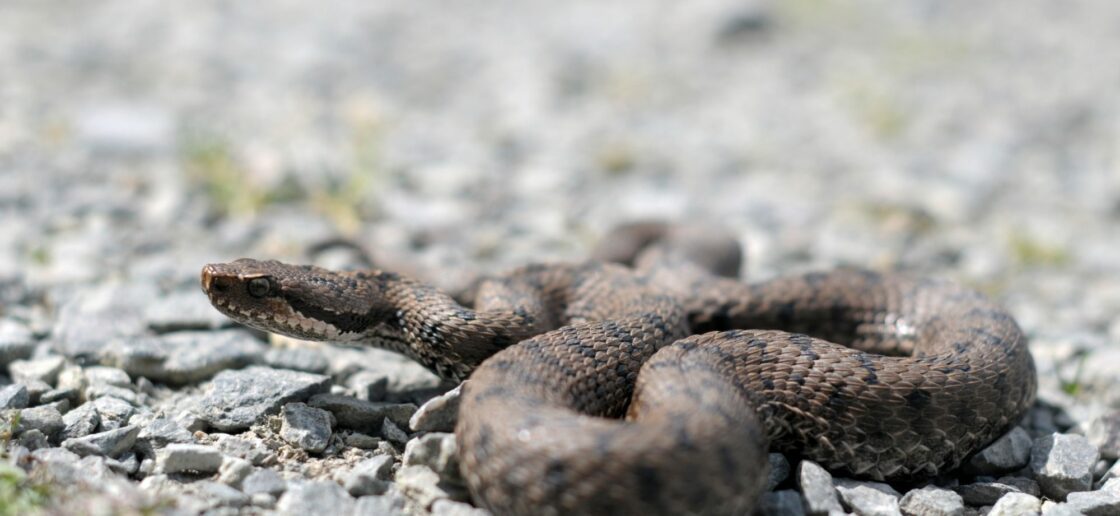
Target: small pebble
<point>786,502</point>
<point>453,508</point>
<point>440,413</point>
<point>1095,503</point>
<point>236,399</point>
<point>234,470</point>
<point>932,501</point>
<point>393,433</point>
<point>1010,452</point>
<point>369,477</point>
<point>14,396</point>
<point>1104,433</point>
<point>188,458</point>
<point>264,481</point>
<point>314,497</point>
<point>361,415</point>
<point>37,370</point>
<point>1016,504</point>
<point>306,427</point>
<point>437,451</point>
<point>114,412</point>
<point>817,489</point>
<point>869,498</point>
<point>423,485</point>
<point>1063,463</point>
<point>779,470</point>
<point>111,443</point>
<point>46,419</point>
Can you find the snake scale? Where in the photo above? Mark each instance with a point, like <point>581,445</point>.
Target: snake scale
<point>657,387</point>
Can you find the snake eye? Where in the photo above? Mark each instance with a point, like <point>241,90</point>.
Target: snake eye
<point>259,287</point>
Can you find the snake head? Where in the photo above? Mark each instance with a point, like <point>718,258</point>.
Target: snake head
<point>301,301</point>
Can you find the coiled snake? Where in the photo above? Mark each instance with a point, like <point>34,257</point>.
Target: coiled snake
<point>657,389</point>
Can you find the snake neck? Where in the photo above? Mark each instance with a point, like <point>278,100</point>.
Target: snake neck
<point>432,328</point>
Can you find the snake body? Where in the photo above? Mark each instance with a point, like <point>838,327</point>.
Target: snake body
<point>658,389</point>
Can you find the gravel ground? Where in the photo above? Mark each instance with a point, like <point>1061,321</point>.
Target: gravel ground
<point>140,140</point>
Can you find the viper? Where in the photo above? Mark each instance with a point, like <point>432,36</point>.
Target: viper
<point>657,385</point>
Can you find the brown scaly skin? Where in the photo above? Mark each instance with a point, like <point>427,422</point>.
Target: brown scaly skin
<point>933,372</point>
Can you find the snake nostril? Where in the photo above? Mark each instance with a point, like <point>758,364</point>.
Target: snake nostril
<point>209,282</point>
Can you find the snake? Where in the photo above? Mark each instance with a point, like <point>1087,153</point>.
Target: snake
<point>651,380</point>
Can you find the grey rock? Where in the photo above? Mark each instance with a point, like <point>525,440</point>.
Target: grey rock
<point>932,501</point>
<point>188,458</point>
<point>245,446</point>
<point>80,422</point>
<point>72,377</point>
<point>71,396</point>
<point>1016,504</point>
<point>189,417</point>
<point>1051,508</point>
<point>186,357</point>
<point>62,464</point>
<point>299,359</point>
<point>102,375</point>
<point>1104,433</point>
<point>16,342</point>
<point>361,415</point>
<point>453,508</point>
<point>263,500</point>
<point>987,493</point>
<point>1063,463</point>
<point>440,414</point>
<point>35,390</point>
<point>393,433</point>
<point>1023,484</point>
<point>114,412</point>
<point>1095,503</point>
<point>126,464</point>
<point>1010,452</point>
<point>369,477</point>
<point>786,502</point>
<point>1111,473</point>
<point>45,419</point>
<point>306,427</point>
<point>391,503</point>
<point>319,497</point>
<point>423,485</point>
<point>160,432</point>
<point>62,406</point>
<point>869,498</point>
<point>264,480</point>
<point>817,489</point>
<point>368,385</point>
<point>217,494</point>
<point>33,440</point>
<point>112,443</point>
<point>44,369</point>
<point>437,451</point>
<point>111,391</point>
<point>234,470</point>
<point>14,396</point>
<point>779,470</point>
<point>360,440</point>
<point>234,400</point>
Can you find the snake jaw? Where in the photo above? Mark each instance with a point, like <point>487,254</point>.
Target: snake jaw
<point>292,300</point>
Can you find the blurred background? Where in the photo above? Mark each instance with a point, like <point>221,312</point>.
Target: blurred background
<point>980,141</point>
